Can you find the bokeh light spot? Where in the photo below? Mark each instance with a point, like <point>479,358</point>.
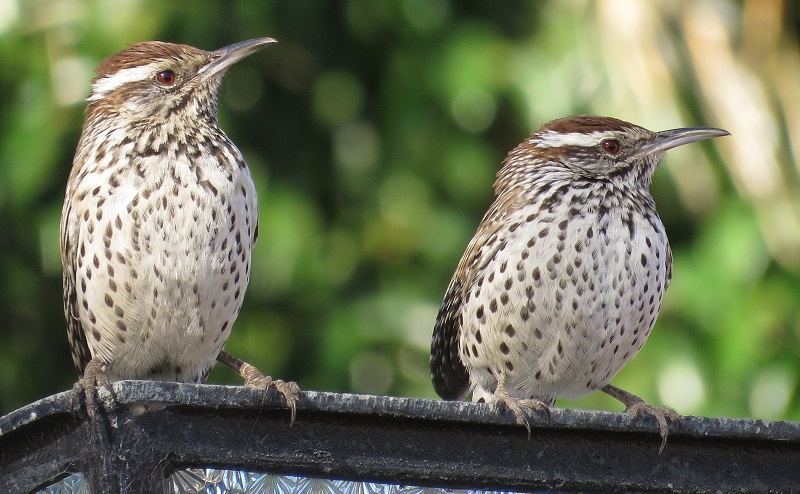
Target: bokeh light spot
<point>371,373</point>
<point>473,109</point>
<point>681,386</point>
<point>337,97</point>
<point>771,392</point>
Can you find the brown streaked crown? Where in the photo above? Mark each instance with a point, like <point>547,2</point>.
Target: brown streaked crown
<point>586,124</point>
<point>146,52</point>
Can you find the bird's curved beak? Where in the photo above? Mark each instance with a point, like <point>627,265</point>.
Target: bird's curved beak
<point>665,140</point>
<point>225,57</point>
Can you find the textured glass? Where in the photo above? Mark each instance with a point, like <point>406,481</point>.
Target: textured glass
<point>213,481</point>
<point>73,484</point>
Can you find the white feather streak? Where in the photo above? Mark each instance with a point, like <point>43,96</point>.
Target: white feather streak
<point>109,83</point>
<point>552,139</point>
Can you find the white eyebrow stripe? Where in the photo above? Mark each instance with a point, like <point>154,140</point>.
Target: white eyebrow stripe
<point>109,83</point>
<point>552,139</point>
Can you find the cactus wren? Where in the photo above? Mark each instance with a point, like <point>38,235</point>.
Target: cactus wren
<point>159,223</point>
<point>562,283</point>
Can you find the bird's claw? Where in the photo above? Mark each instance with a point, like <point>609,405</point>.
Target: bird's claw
<point>94,377</point>
<point>661,414</point>
<point>289,389</point>
<point>516,405</point>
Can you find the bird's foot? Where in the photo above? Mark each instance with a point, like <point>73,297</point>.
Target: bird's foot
<point>518,405</point>
<point>289,389</point>
<point>253,378</point>
<point>661,414</point>
<point>635,406</point>
<point>94,377</point>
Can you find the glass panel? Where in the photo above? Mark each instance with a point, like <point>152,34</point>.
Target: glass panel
<point>72,484</point>
<point>213,481</point>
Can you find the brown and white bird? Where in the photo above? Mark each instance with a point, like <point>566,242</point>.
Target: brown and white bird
<point>159,222</point>
<point>562,283</point>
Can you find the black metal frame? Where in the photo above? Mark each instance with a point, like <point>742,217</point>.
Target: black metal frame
<point>156,427</point>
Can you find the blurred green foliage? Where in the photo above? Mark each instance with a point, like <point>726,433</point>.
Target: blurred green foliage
<point>374,130</point>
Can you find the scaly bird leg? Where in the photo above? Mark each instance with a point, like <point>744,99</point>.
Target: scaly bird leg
<point>516,405</point>
<point>255,379</point>
<point>94,375</point>
<point>635,406</point>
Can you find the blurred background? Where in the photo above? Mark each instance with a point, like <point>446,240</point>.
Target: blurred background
<point>374,130</point>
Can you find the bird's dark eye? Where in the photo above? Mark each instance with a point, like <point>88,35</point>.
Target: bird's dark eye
<point>166,77</point>
<point>611,146</point>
